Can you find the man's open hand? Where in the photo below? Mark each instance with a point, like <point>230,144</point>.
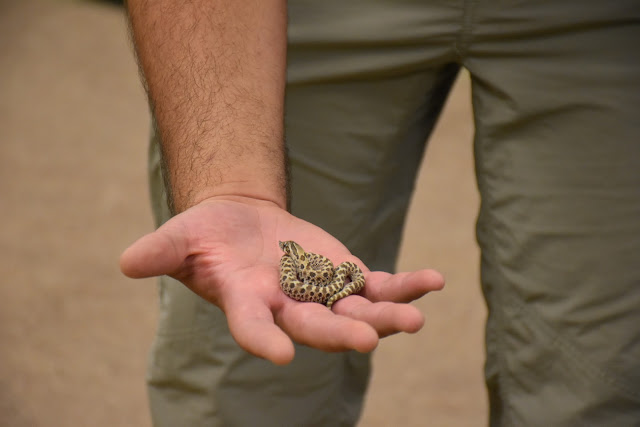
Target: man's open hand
<point>226,251</point>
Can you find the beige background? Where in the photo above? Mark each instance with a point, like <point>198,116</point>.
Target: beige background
<point>74,333</point>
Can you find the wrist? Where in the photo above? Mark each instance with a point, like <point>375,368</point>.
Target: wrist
<point>246,200</point>
<point>242,191</point>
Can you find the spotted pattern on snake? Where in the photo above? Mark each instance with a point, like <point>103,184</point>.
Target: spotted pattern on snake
<point>309,277</point>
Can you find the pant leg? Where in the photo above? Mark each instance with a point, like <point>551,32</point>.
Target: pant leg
<point>556,94</point>
<point>357,114</point>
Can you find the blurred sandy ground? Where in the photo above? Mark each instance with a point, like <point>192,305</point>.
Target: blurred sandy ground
<point>74,333</point>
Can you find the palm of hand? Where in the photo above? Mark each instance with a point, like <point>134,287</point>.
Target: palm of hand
<point>227,252</point>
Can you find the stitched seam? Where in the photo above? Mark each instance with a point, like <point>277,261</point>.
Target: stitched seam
<point>498,300</point>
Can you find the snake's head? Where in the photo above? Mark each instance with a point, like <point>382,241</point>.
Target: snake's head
<point>291,248</point>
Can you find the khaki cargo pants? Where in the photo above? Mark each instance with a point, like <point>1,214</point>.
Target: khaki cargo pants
<point>556,98</point>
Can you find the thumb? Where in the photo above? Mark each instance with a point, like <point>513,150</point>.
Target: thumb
<point>155,254</point>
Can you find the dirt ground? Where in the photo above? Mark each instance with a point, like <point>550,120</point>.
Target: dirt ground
<point>74,333</point>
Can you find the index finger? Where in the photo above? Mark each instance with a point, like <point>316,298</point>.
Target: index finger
<point>252,326</point>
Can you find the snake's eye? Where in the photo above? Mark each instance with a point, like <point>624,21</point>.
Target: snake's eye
<point>286,247</point>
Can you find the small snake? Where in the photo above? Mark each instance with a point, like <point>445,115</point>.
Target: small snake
<point>309,277</point>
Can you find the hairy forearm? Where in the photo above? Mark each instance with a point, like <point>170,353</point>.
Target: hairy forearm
<point>214,71</point>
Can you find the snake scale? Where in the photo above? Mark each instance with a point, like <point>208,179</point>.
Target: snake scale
<point>309,277</point>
